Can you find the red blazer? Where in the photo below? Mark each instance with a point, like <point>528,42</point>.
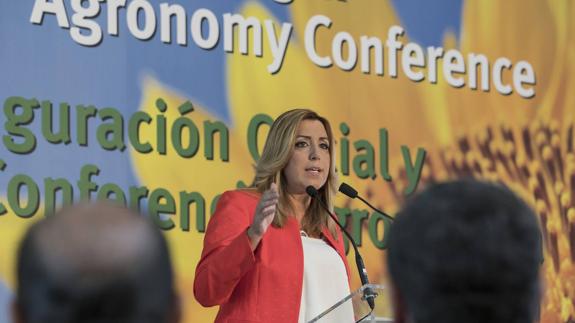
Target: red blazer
<point>260,286</point>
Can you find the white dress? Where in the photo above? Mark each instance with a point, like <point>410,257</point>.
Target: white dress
<point>324,283</point>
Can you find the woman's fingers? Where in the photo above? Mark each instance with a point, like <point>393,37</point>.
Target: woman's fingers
<point>267,203</point>
<point>269,197</point>
<point>269,210</point>
<point>265,211</point>
<point>269,194</point>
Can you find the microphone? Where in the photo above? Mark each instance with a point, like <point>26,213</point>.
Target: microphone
<point>368,294</point>
<point>351,192</point>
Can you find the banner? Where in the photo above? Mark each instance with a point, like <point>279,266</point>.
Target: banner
<point>164,105</point>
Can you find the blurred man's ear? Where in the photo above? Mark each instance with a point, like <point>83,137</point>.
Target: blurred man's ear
<point>175,312</point>
<point>16,312</point>
<point>399,307</point>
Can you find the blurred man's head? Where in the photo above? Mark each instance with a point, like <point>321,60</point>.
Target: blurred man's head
<point>95,263</point>
<point>465,252</point>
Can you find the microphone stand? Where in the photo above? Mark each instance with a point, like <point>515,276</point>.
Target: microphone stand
<point>368,293</point>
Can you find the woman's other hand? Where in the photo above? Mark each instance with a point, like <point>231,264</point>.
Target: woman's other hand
<point>264,215</point>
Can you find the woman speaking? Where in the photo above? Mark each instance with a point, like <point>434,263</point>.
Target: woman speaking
<point>271,253</point>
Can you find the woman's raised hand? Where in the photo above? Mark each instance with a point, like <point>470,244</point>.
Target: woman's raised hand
<point>264,215</point>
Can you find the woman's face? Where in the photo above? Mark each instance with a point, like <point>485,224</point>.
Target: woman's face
<point>310,161</point>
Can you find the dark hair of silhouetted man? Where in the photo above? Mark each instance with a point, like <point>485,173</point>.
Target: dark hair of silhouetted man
<point>95,263</point>
<point>465,251</point>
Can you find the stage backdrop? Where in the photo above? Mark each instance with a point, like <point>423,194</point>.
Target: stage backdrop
<point>163,105</point>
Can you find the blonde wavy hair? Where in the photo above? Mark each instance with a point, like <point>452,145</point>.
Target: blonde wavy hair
<point>276,154</point>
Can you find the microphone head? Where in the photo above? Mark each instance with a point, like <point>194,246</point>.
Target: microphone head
<point>311,191</point>
<point>348,190</point>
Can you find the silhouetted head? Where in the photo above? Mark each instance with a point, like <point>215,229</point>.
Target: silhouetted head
<point>465,251</point>
<point>95,263</point>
